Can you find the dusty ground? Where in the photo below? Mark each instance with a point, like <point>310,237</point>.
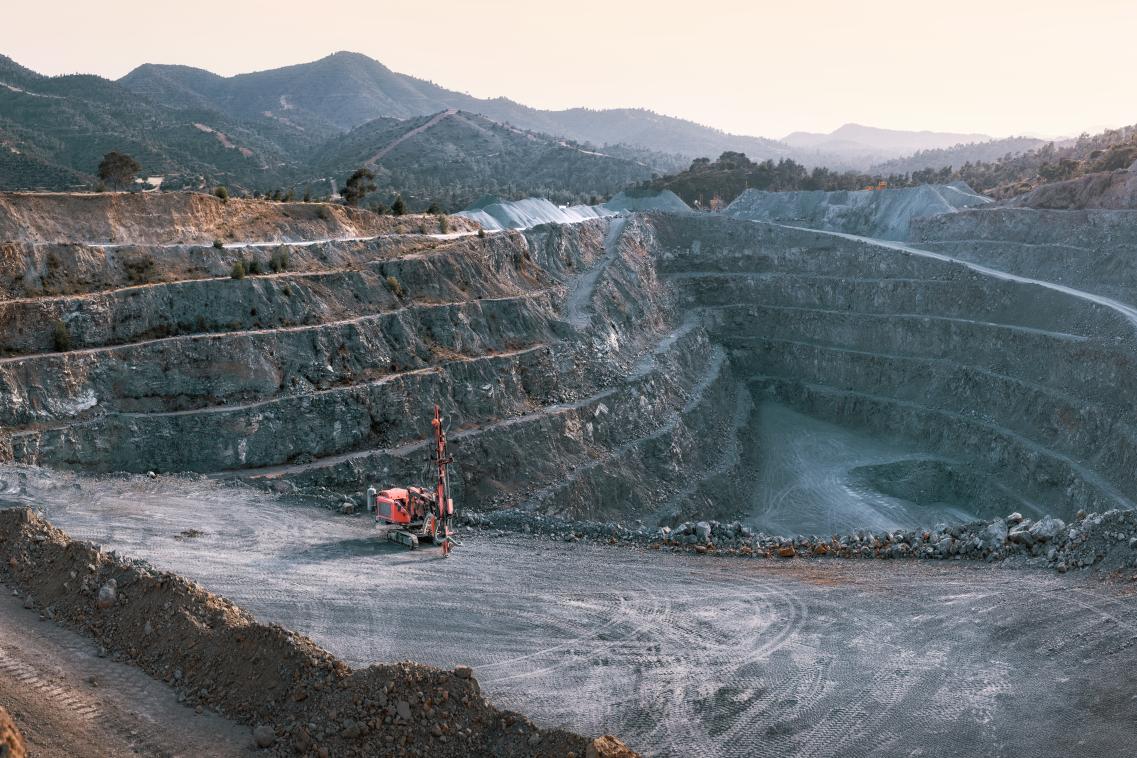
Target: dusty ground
<point>680,655</point>
<point>69,701</point>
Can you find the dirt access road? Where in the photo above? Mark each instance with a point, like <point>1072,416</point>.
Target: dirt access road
<point>681,655</point>
<point>69,701</point>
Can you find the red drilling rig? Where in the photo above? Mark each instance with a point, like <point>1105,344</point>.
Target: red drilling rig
<point>415,513</point>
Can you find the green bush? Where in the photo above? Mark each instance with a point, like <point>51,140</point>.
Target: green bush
<point>61,336</point>
<point>238,271</point>
<point>279,260</point>
<point>222,192</point>
<point>481,234</point>
<point>394,286</point>
<point>444,224</point>
<point>399,207</point>
<point>218,244</point>
<point>253,267</point>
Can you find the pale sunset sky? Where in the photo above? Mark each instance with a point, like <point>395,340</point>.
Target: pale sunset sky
<point>999,67</point>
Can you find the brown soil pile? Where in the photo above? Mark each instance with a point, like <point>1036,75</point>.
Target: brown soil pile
<point>11,741</point>
<point>299,698</point>
<point>159,218</point>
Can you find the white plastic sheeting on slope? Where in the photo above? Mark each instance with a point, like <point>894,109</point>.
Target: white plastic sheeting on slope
<point>884,214</point>
<point>522,214</point>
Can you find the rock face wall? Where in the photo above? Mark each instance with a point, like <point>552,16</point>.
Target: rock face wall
<point>1094,250</point>
<point>1027,383</point>
<point>606,369</point>
<point>566,377</point>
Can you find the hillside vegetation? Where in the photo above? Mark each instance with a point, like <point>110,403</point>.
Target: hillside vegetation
<point>455,157</point>
<point>345,90</point>
<point>54,131</point>
<point>716,183</point>
<point>190,129</point>
<point>959,155</point>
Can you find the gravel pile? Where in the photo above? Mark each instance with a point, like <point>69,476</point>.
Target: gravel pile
<point>1105,541</point>
<point>297,697</point>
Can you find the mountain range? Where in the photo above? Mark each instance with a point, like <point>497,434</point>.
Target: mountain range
<point>855,142</point>
<point>303,126</point>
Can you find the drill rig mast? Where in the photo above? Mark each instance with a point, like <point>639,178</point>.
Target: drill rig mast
<point>417,514</point>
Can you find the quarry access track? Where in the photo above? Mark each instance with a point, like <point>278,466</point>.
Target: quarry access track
<point>1115,305</point>
<point>70,700</point>
<point>682,655</point>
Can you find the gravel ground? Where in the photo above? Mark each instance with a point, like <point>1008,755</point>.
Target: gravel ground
<point>678,654</point>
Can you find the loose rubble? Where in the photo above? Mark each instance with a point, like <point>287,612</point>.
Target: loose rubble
<point>1106,541</point>
<point>297,698</point>
<point>11,741</point>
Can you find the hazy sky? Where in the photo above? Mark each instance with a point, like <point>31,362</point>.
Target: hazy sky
<point>995,66</point>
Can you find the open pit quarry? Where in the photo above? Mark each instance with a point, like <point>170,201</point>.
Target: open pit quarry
<point>679,437</point>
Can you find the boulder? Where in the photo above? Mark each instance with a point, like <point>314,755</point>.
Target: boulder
<point>703,531</point>
<point>1047,528</point>
<point>1021,536</point>
<point>264,736</point>
<point>995,535</point>
<point>107,594</point>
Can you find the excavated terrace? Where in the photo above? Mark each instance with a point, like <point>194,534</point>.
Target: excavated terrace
<point>647,367</point>
<point>606,369</point>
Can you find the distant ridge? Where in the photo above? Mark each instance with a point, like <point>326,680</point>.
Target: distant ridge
<point>857,143</point>
<point>345,90</point>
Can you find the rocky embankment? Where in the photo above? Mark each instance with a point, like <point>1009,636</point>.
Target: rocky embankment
<point>1104,189</point>
<point>297,698</point>
<point>188,218</point>
<point>1105,542</point>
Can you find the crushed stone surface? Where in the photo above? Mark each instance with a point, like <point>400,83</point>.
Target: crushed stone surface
<point>752,657</point>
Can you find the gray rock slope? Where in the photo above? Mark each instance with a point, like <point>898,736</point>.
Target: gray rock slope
<point>614,368</point>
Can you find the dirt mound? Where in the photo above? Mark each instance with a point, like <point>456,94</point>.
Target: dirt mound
<point>299,697</point>
<point>161,218</point>
<point>11,741</point>
<point>1108,189</point>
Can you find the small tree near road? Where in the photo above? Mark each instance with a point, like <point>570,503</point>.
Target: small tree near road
<point>358,186</point>
<point>118,169</point>
<point>399,207</point>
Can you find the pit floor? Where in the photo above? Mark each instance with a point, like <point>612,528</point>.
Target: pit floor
<point>680,655</point>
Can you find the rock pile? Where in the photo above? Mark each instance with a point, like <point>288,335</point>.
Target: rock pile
<point>1107,541</point>
<point>11,741</point>
<point>298,698</point>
